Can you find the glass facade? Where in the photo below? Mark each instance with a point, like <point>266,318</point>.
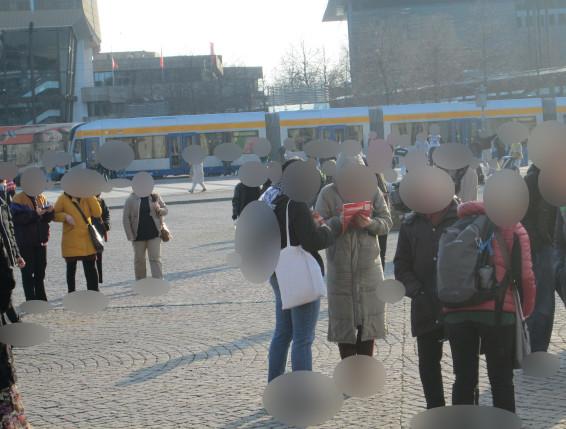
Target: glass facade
<point>37,76</point>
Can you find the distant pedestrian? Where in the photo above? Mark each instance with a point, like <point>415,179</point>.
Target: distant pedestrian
<point>516,153</point>
<point>356,315</point>
<point>76,243</point>
<point>243,195</point>
<point>415,267</point>
<point>198,176</point>
<point>296,325</point>
<point>32,216</point>
<point>485,324</point>
<point>102,225</point>
<point>142,219</point>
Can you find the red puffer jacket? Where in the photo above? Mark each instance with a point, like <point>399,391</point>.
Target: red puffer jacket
<point>527,276</point>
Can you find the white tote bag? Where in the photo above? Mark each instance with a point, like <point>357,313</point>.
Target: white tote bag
<point>298,274</point>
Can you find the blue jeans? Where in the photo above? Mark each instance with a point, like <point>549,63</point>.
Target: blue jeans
<point>542,320</point>
<point>297,325</point>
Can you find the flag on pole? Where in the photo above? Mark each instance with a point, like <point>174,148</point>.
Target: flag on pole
<point>114,68</point>
<point>212,55</point>
<point>161,61</point>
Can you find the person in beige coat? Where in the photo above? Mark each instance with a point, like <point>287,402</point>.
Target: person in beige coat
<point>142,220</point>
<point>356,315</point>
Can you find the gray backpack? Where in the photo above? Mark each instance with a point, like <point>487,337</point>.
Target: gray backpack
<point>465,273</point>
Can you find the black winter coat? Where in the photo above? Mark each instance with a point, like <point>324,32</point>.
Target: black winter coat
<point>303,229</point>
<point>540,219</point>
<point>9,248</point>
<point>102,224</point>
<point>415,267</point>
<point>243,195</point>
<point>31,229</point>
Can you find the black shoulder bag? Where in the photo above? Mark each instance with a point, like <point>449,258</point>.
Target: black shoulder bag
<point>95,237</point>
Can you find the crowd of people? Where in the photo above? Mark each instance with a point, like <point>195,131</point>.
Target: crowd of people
<point>526,262</point>
<point>24,235</point>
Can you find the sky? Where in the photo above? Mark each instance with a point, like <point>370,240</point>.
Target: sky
<point>244,32</point>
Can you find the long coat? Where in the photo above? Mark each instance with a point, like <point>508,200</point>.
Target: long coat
<point>198,173</point>
<point>354,272</point>
<point>76,240</point>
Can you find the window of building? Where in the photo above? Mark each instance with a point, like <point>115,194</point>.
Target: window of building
<point>562,19</point>
<point>551,19</point>
<point>103,79</point>
<point>7,5</point>
<point>519,21</point>
<point>57,4</point>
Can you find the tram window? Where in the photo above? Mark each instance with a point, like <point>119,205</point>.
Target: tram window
<point>144,148</point>
<point>209,141</point>
<point>129,140</point>
<point>21,154</point>
<point>78,150</point>
<point>529,121</point>
<point>354,132</point>
<point>301,136</point>
<point>159,147</point>
<point>241,139</point>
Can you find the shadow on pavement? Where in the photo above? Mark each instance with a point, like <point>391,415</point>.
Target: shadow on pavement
<point>149,373</point>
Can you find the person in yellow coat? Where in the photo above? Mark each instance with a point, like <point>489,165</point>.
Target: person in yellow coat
<point>76,243</point>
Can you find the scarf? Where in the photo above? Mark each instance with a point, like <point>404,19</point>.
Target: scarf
<point>269,196</point>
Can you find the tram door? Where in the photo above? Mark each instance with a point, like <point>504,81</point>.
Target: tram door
<point>176,143</point>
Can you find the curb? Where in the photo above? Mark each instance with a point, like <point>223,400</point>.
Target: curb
<point>177,203</point>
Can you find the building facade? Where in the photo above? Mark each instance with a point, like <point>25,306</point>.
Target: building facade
<point>135,84</point>
<point>46,50</point>
<point>397,46</point>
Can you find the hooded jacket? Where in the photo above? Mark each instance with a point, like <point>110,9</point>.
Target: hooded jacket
<point>527,280</point>
<point>415,267</point>
<point>540,219</point>
<point>243,195</point>
<point>31,229</point>
<point>354,270</point>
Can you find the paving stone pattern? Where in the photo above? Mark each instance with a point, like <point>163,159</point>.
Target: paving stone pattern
<point>197,357</point>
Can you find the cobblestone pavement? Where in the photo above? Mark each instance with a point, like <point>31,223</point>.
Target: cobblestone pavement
<point>196,358</point>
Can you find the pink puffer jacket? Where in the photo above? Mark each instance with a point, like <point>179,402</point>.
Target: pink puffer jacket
<point>528,283</point>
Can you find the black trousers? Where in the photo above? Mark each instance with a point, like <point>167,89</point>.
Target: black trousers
<point>382,249</point>
<point>360,348</point>
<point>498,345</point>
<point>99,266</point>
<point>429,348</point>
<point>33,274</point>
<point>89,267</point>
